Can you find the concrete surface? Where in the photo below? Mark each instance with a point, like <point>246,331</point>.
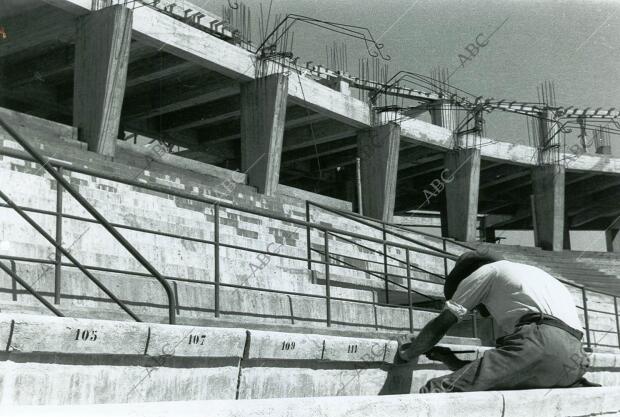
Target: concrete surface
<point>263,113</point>
<point>378,150</point>
<point>195,341</point>
<point>549,403</point>
<point>51,383</point>
<point>128,362</point>
<point>76,336</point>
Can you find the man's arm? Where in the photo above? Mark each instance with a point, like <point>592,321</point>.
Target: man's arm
<point>445,355</point>
<point>430,335</point>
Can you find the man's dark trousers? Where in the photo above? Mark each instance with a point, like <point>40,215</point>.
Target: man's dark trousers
<point>534,356</point>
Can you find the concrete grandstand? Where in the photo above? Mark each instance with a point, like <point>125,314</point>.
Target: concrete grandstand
<point>164,240</point>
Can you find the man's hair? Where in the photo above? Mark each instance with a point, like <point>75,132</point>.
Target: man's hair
<point>466,265</point>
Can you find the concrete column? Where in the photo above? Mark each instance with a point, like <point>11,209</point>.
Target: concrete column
<point>612,236</point>
<point>263,113</point>
<point>101,59</point>
<point>444,114</point>
<point>461,176</point>
<point>378,152</point>
<point>548,187</point>
<point>549,138</point>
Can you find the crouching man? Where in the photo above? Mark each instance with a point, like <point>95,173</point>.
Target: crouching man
<point>540,345</point>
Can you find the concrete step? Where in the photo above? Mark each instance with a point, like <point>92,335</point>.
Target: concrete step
<point>548,403</point>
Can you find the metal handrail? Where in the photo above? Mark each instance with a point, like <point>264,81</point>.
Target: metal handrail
<point>101,220</point>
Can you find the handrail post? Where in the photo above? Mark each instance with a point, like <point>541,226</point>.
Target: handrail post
<point>385,266</point>
<point>327,283</point>
<point>445,260</point>
<point>585,315</point>
<point>617,319</point>
<point>409,302</point>
<point>13,280</point>
<point>58,255</point>
<point>308,240</point>
<point>216,256</point>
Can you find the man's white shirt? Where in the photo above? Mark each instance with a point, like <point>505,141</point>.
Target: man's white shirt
<point>511,290</point>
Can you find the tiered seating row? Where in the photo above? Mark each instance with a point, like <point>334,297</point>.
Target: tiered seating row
<point>551,403</point>
<point>51,360</point>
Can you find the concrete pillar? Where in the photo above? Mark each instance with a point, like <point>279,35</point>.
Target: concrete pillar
<point>101,59</point>
<point>612,237</point>
<point>549,137</point>
<point>548,205</point>
<point>461,176</point>
<point>444,114</point>
<point>263,113</point>
<point>378,152</point>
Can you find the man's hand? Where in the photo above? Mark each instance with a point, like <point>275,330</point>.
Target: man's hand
<point>428,337</point>
<point>404,344</point>
<point>446,356</point>
<point>440,354</point>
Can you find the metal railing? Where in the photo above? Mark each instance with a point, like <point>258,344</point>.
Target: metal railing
<point>328,236</point>
<point>62,182</point>
<point>384,227</point>
<point>330,259</point>
<point>326,232</point>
